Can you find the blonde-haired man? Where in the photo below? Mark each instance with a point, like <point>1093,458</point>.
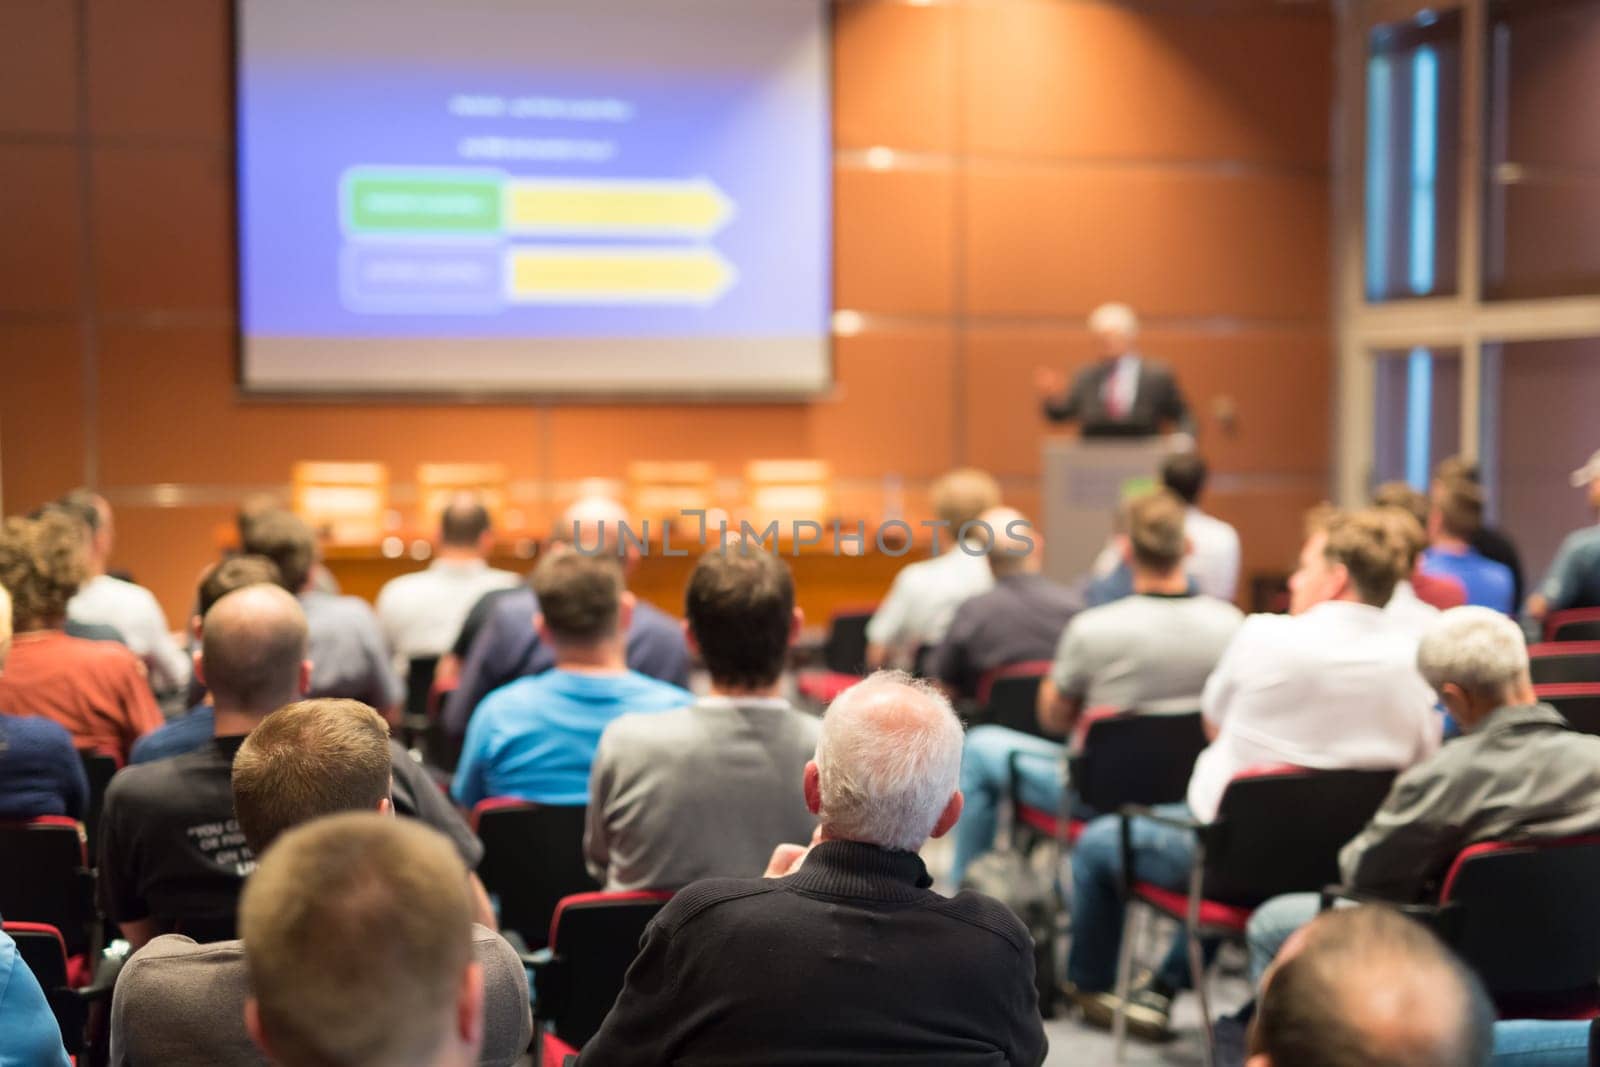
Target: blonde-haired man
<point>924,596</point>
<point>358,936</point>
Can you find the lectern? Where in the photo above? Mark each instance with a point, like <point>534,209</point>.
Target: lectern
<point>1084,480</point>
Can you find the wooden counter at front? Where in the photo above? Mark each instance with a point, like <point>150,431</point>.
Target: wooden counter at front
<point>826,580</point>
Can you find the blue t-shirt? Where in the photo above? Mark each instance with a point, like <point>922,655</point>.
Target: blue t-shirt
<point>177,737</point>
<point>535,739</point>
<point>1574,578</point>
<point>41,772</point>
<point>28,1031</point>
<point>1488,584</point>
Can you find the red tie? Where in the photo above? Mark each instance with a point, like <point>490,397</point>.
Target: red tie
<point>1113,395</point>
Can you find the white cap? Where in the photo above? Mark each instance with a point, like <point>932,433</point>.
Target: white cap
<point>1588,472</point>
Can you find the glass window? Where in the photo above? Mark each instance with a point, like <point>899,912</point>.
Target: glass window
<point>1416,413</point>
<point>1542,156</point>
<point>1412,156</point>
<point>1539,400</point>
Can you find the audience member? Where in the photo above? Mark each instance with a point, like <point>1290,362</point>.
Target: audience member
<point>128,608</point>
<point>346,645</point>
<point>359,941</point>
<point>181,1004</point>
<point>1149,652</point>
<point>1433,591</point>
<point>1332,685</point>
<point>1017,621</point>
<point>422,613</point>
<point>1367,987</point>
<point>509,648</point>
<point>924,596</point>
<point>844,954</point>
<point>40,772</point>
<point>1573,580</point>
<point>29,1035</point>
<point>1456,515</point>
<point>1213,561</point>
<point>704,791</point>
<point>171,854</point>
<point>95,689</point>
<point>1519,772</point>
<point>196,728</point>
<point>1490,542</point>
<point>536,737</point>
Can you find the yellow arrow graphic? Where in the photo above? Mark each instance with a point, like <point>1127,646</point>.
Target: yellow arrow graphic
<point>616,207</point>
<point>561,274</point>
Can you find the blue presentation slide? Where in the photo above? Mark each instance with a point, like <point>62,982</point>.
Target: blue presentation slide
<point>633,175</point>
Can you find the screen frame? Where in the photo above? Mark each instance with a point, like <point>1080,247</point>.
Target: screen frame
<point>245,391</point>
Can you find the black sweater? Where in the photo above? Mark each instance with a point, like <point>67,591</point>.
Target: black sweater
<point>850,960</point>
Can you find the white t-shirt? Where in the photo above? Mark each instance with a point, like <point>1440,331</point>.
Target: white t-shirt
<point>133,610</point>
<point>1409,611</point>
<point>1334,688</point>
<point>924,597</point>
<point>1214,561</point>
<point>421,613</point>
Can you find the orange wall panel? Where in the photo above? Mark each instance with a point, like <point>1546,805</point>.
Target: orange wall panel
<point>38,67</point>
<point>39,253</point>
<point>1171,242</point>
<point>41,411</point>
<point>894,234</point>
<point>891,75</point>
<point>892,407</point>
<point>163,229</point>
<point>160,68</point>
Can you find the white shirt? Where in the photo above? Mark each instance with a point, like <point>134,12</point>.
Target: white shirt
<point>133,610</point>
<point>924,597</point>
<point>1123,384</point>
<point>1214,561</point>
<point>421,613</point>
<point>1409,611</point>
<point>1334,688</point>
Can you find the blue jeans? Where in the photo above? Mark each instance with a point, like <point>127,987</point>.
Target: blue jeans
<point>1272,924</point>
<point>1162,855</point>
<point>986,780</point>
<point>1541,1043</point>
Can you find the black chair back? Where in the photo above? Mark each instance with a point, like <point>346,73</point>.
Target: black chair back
<point>1564,662</point>
<point>1579,704</point>
<point>595,936</point>
<point>1574,624</point>
<point>532,857</point>
<point>845,648</point>
<point>419,682</point>
<point>45,877</point>
<point>98,767</point>
<point>1523,916</point>
<point>1009,696</point>
<point>1132,758</point>
<point>1279,830</point>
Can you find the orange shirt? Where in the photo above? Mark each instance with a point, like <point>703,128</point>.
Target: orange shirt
<point>96,689</point>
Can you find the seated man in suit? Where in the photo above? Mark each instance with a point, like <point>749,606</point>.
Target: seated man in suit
<point>508,646</point>
<point>181,1004</point>
<point>1518,772</point>
<point>705,790</point>
<point>1122,395</point>
<point>1368,986</point>
<point>359,939</point>
<point>843,955</point>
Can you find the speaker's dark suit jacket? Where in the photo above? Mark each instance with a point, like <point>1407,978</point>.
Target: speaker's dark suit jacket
<point>1156,400</point>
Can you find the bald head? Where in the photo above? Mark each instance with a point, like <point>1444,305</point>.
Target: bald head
<point>888,762</point>
<point>1367,986</point>
<point>253,644</point>
<point>464,523</point>
<point>1012,542</point>
<point>594,524</point>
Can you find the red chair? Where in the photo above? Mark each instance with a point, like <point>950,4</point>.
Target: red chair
<point>1578,703</point>
<point>1573,624</point>
<point>45,878</point>
<point>532,858</point>
<point>594,938</point>
<point>1009,696</point>
<point>1564,661</point>
<point>41,949</point>
<point>1278,830</point>
<point>844,656</point>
